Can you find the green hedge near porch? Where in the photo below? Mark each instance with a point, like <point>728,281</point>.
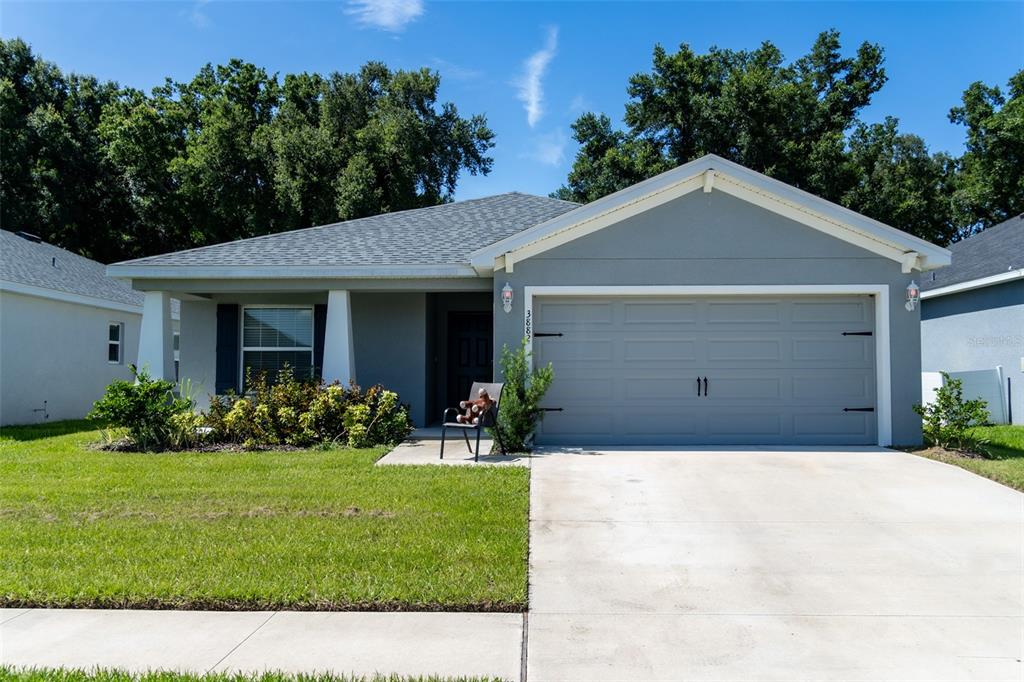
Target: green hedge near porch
<point>305,529</point>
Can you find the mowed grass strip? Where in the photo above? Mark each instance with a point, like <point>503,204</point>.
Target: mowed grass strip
<point>313,529</point>
<point>1005,461</point>
<point>108,675</point>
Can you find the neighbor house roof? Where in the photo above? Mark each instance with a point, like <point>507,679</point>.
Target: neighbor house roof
<point>429,241</point>
<point>35,267</point>
<point>990,257</point>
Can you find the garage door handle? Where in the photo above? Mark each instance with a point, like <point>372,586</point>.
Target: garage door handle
<point>705,387</point>
<point>858,409</point>
<point>698,387</point>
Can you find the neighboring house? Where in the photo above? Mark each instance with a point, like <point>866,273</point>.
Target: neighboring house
<point>66,331</point>
<point>788,309</point>
<point>972,317</point>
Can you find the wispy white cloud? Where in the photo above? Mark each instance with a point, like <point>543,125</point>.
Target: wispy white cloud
<point>388,15</point>
<point>548,149</point>
<point>579,104</point>
<point>198,15</point>
<point>455,71</point>
<point>530,84</point>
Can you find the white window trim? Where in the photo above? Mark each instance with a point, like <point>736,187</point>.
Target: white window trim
<point>880,292</point>
<point>241,335</point>
<point>119,342</point>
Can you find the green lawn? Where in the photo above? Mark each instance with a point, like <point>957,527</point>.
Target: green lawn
<point>315,529</point>
<point>105,675</point>
<point>1006,456</point>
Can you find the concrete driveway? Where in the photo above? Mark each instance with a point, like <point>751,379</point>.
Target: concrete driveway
<point>851,564</point>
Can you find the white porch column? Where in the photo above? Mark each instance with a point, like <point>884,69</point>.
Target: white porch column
<point>156,351</point>
<point>339,354</point>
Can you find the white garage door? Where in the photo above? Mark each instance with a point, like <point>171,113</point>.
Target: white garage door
<point>710,370</point>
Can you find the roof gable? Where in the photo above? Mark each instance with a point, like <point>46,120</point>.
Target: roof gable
<point>712,173</point>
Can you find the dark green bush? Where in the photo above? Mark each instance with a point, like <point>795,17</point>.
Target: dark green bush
<point>146,407</point>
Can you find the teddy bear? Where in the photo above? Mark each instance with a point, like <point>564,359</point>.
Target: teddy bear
<point>475,408</point>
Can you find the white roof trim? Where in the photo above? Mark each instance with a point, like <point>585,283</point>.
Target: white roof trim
<point>129,271</point>
<point>715,173</point>
<point>978,283</point>
<point>68,297</point>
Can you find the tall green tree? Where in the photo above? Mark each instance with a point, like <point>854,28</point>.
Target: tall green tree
<point>117,173</point>
<point>785,120</point>
<point>990,182</point>
<point>353,145</point>
<point>54,177</point>
<point>797,122</point>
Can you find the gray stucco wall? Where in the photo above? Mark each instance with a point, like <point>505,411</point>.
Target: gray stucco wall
<point>57,352</point>
<point>977,329</point>
<point>716,239</point>
<point>389,333</point>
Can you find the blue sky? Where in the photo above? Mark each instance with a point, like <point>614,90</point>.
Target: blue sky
<point>531,67</point>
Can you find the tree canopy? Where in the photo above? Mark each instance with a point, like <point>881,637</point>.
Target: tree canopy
<point>799,122</point>
<point>114,173</point>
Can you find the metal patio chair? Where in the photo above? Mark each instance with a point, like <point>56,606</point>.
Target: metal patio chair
<point>488,419</point>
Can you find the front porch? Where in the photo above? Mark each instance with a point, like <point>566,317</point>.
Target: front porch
<point>427,344</point>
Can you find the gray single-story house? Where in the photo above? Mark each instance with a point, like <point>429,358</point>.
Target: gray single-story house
<point>66,331</point>
<point>707,305</point>
<point>972,317</point>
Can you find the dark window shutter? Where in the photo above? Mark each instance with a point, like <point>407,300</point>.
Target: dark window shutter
<point>227,348</point>
<point>319,327</point>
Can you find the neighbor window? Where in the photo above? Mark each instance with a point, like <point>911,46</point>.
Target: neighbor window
<point>274,337</point>
<point>115,342</point>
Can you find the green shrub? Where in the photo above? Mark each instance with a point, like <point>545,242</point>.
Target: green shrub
<point>520,398</point>
<point>187,430</point>
<point>378,419</point>
<point>145,407</point>
<point>947,421</point>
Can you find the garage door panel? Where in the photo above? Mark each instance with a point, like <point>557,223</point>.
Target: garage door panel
<point>834,424</point>
<point>573,390</point>
<point>659,424</point>
<point>576,313</point>
<point>745,350</point>
<point>744,313</point>
<point>745,388</point>
<point>659,313</point>
<point>742,423</point>
<point>579,351</point>
<point>831,313</point>
<point>650,350</point>
<point>779,370</point>
<point>834,351</point>
<point>834,387</point>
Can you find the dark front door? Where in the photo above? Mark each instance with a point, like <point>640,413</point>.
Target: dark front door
<point>470,337</point>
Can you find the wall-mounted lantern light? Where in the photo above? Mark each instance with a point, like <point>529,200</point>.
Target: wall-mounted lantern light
<point>913,295</point>
<point>506,297</point>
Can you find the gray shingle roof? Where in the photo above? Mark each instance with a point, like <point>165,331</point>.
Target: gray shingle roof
<point>993,251</point>
<point>438,235</point>
<point>51,267</point>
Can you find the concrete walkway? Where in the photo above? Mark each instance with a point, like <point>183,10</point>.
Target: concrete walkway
<point>424,447</point>
<point>779,565</point>
<point>454,644</point>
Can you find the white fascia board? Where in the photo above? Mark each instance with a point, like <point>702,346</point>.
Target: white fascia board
<point>289,272</point>
<point>734,179</point>
<point>979,283</point>
<point>66,297</point>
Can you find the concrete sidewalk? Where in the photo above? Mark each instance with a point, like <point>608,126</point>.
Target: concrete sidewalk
<point>453,644</point>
